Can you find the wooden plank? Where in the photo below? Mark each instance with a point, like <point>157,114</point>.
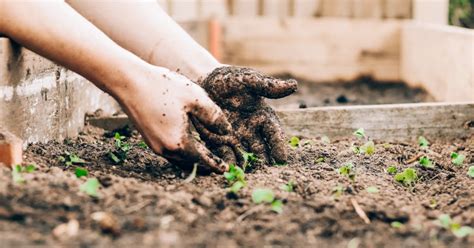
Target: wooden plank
<point>337,8</point>
<point>367,8</point>
<point>306,8</point>
<point>397,122</point>
<point>398,9</point>
<point>276,8</point>
<point>440,59</point>
<point>319,49</point>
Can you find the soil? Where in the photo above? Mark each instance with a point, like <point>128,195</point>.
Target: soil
<point>362,91</point>
<point>146,201</point>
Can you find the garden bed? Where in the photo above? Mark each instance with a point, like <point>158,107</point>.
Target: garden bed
<point>147,202</point>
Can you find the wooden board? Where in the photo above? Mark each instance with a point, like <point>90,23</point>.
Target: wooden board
<point>397,122</point>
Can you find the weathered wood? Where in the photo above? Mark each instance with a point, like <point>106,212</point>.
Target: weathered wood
<point>440,59</point>
<point>399,9</point>
<point>367,8</point>
<point>337,8</point>
<point>306,8</point>
<point>397,122</point>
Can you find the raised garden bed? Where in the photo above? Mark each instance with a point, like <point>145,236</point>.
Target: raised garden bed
<point>147,201</point>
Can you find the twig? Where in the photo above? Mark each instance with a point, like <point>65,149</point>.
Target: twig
<point>249,212</point>
<point>137,207</point>
<point>359,211</point>
<point>415,158</point>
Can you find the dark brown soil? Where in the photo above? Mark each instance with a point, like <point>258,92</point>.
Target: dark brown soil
<point>362,91</point>
<point>148,204</point>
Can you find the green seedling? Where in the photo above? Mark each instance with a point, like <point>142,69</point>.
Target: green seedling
<point>360,133</point>
<point>459,231</point>
<point>348,171</point>
<point>267,196</point>
<point>396,224</point>
<point>368,148</point>
<point>90,187</point>
<point>121,149</point>
<point>423,142</point>
<point>191,176</point>
<point>320,160</point>
<point>71,159</point>
<point>249,159</point>
<point>294,142</point>
<point>289,187</point>
<point>338,191</point>
<point>392,170</point>
<point>81,172</point>
<point>470,171</point>
<point>408,177</point>
<point>18,170</point>
<point>235,177</point>
<point>355,149</point>
<point>433,204</point>
<point>457,159</point>
<point>372,189</point>
<point>142,144</point>
<point>426,162</point>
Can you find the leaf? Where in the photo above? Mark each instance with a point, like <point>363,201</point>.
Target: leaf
<point>338,191</point>
<point>355,149</point>
<point>277,206</point>
<point>236,187</point>
<point>445,221</point>
<point>235,173</point>
<point>360,133</point>
<point>457,159</point>
<point>368,148</point>
<point>320,160</point>
<point>396,224</point>
<point>142,144</point>
<point>463,231</point>
<point>470,171</point>
<point>81,172</point>
<point>90,187</point>
<point>346,169</point>
<point>426,162</point>
<point>16,175</point>
<point>391,169</point>
<point>249,158</point>
<point>408,177</point>
<point>372,189</point>
<point>262,195</point>
<point>191,176</point>
<point>423,142</point>
<point>74,159</point>
<point>289,187</point>
<point>30,168</point>
<point>114,157</point>
<point>294,142</point>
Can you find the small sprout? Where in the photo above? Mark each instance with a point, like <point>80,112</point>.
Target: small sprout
<point>391,169</point>
<point>71,159</point>
<point>249,159</point>
<point>294,142</point>
<point>355,149</point>
<point>267,196</point>
<point>119,155</point>
<point>457,159</point>
<point>277,206</point>
<point>408,177</point>
<point>320,160</point>
<point>337,191</point>
<point>372,189</point>
<point>433,204</point>
<point>81,172</point>
<point>459,231</point>
<point>289,187</point>
<point>263,195</point>
<point>470,171</point>
<point>236,187</point>
<point>396,224</point>
<point>90,187</point>
<point>386,145</point>
<point>360,133</point>
<point>347,170</point>
<point>192,175</point>
<point>142,144</point>
<point>426,162</point>
<point>423,142</point>
<point>368,148</point>
<point>17,171</point>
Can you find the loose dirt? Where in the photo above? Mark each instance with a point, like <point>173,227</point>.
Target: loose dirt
<point>146,202</point>
<point>362,91</point>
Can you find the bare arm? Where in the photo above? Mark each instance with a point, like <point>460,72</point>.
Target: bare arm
<point>145,29</point>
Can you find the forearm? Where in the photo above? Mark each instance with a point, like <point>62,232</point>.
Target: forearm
<point>146,30</point>
<point>54,30</point>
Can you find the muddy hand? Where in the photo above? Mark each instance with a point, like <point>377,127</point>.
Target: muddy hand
<point>240,92</point>
<point>161,107</point>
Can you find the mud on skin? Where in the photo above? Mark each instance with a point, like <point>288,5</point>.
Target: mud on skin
<point>153,207</point>
<point>240,92</point>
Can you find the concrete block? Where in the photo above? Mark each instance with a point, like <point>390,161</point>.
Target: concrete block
<point>367,8</point>
<point>10,149</point>
<point>440,59</point>
<point>337,8</point>
<point>306,8</point>
<point>398,9</point>
<point>431,11</point>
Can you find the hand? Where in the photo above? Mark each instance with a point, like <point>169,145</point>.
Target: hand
<point>240,93</point>
<point>160,104</point>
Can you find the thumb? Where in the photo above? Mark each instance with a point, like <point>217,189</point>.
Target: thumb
<point>210,115</point>
<point>270,87</point>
